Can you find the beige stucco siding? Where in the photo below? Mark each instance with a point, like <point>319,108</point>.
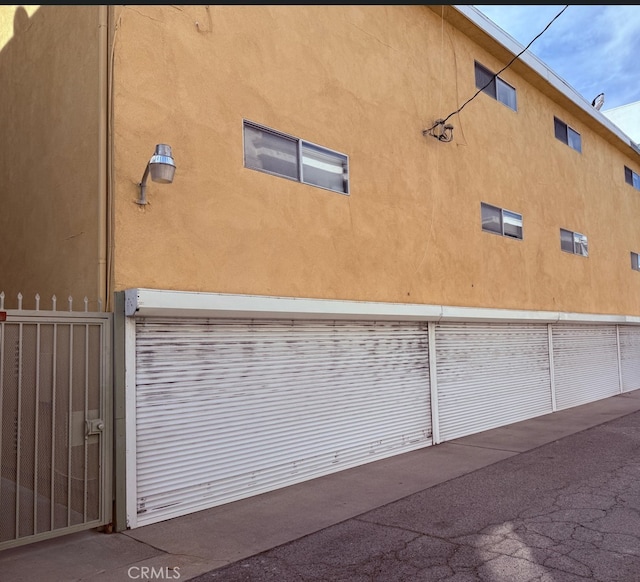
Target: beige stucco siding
<point>49,158</point>
<point>364,81</point>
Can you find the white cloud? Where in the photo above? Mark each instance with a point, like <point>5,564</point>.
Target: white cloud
<point>593,48</point>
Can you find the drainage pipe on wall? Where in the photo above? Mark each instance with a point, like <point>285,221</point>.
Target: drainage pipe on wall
<point>103,137</point>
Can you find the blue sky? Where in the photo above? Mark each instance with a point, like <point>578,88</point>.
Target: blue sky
<point>595,49</point>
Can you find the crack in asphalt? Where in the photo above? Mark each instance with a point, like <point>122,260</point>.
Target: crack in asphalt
<point>529,518</point>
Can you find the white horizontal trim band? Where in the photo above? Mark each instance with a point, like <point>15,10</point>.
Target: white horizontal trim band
<point>166,303</point>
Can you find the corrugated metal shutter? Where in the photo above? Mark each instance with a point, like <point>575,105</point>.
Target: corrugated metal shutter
<point>585,359</point>
<point>630,356</point>
<point>490,374</point>
<point>227,409</point>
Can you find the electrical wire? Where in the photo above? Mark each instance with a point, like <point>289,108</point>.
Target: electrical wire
<point>443,121</point>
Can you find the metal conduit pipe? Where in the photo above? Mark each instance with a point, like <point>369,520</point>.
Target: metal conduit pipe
<point>103,137</point>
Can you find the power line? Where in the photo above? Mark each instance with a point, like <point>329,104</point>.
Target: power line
<point>443,121</point>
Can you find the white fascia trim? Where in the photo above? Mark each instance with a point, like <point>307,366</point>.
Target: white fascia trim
<point>514,47</point>
<point>154,302</point>
<point>167,303</point>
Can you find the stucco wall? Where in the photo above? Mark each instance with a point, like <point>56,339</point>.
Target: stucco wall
<point>49,224</point>
<point>365,81</point>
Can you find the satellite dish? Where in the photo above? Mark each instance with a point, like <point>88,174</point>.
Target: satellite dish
<point>598,101</point>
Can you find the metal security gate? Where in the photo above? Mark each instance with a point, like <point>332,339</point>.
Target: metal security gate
<point>585,362</point>
<point>629,336</point>
<point>226,409</point>
<point>55,435</point>
<point>490,375</point>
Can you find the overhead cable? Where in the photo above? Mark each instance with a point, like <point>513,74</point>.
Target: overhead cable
<point>442,121</point>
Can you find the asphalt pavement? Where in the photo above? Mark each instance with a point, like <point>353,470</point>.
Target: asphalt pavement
<point>566,511</point>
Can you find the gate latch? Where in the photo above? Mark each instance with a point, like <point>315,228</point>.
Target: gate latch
<point>95,426</point>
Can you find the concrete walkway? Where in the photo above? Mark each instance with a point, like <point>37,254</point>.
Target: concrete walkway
<point>509,517</point>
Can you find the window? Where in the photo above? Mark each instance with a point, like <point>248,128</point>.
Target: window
<point>630,177</point>
<point>501,221</point>
<point>495,86</point>
<point>273,152</point>
<point>573,242</point>
<point>567,135</point>
<point>635,263</point>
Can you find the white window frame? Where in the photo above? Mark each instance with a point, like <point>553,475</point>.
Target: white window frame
<point>632,178</point>
<point>498,85</point>
<point>510,215</point>
<point>635,261</point>
<point>570,133</point>
<point>580,243</point>
<point>300,151</point>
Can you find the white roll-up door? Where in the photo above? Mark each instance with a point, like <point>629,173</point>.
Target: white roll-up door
<point>630,356</point>
<point>490,374</point>
<point>585,359</point>
<point>226,409</point>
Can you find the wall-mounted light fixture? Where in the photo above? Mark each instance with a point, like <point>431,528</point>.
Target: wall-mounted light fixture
<point>161,166</point>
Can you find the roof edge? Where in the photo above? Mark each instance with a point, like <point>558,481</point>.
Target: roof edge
<point>507,42</point>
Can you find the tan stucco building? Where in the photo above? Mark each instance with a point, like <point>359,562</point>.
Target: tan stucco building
<point>312,199</point>
<point>93,89</point>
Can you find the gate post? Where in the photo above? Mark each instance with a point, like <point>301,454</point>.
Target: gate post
<point>119,416</point>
